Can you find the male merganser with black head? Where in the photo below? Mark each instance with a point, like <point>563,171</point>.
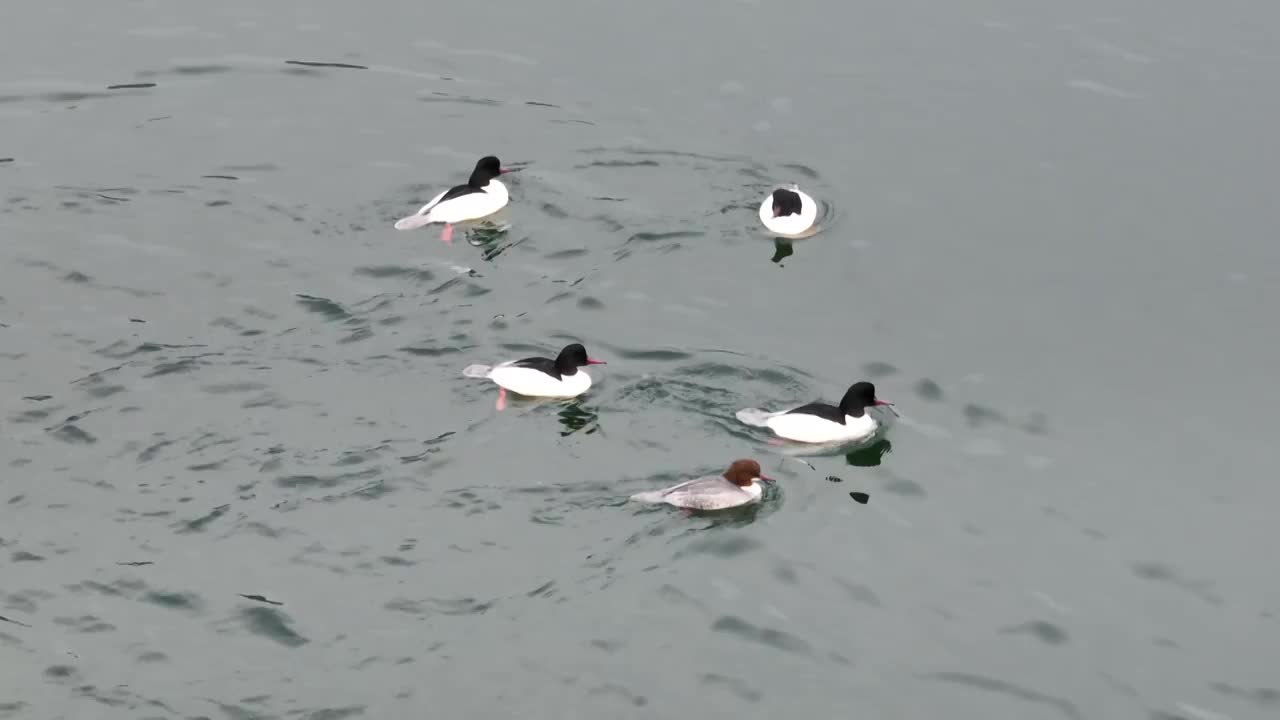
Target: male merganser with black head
<point>482,195</point>
<point>818,422</point>
<point>788,211</point>
<point>741,484</point>
<point>540,376</point>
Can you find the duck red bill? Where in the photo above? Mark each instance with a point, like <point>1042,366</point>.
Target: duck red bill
<point>889,405</point>
<point>596,362</point>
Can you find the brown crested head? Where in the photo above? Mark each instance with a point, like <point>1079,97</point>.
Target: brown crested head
<point>742,472</point>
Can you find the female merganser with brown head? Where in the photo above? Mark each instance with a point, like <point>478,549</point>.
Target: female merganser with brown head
<point>741,484</point>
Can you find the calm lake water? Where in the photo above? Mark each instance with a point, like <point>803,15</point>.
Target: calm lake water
<point>1051,240</point>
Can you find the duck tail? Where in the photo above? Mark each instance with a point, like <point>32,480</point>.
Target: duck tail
<point>754,416</point>
<point>477,371</point>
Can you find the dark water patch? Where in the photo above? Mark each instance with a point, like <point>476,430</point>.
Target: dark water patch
<point>325,307</point>
<point>860,593</point>
<point>220,177</point>
<point>72,96</point>
<point>11,621</point>
<point>1045,632</point>
<point>879,369</point>
<point>58,673</point>
<point>1260,697</point>
<point>590,303</point>
<point>1159,572</point>
<point>451,606</point>
<point>233,387</point>
<point>333,713</point>
<point>391,271</point>
<point>136,563</point>
<point>199,69</point>
<point>464,99</point>
<point>102,391</point>
<point>870,456</point>
<point>904,487</point>
<point>173,600</point>
<point>152,657</point>
<point>11,709</point>
<point>980,416</point>
<point>620,692</point>
<point>85,624</point>
<point>734,685</point>
<point>122,349</point>
<point>782,249</point>
<point>1007,689</point>
<point>217,203</point>
<point>5,160</point>
<point>77,278</point>
<point>804,170</point>
<point>728,546</point>
<point>271,624</point>
<point>778,639</point>
<point>357,335</point>
<point>397,561</point>
<point>131,86</point>
<point>150,453</point>
<point>261,599</point>
<point>566,254</point>
<point>618,164</point>
<point>23,556</point>
<point>329,481</point>
<point>34,415</point>
<point>435,351</point>
<point>468,501</point>
<point>73,435</point>
<point>657,236</point>
<point>183,365</point>
<point>1036,424</point>
<point>554,211</point>
<point>202,522</point>
<point>535,103</point>
<point>315,64</point>
<point>256,167</point>
<point>119,588</point>
<point>929,390</point>
<point>648,355</point>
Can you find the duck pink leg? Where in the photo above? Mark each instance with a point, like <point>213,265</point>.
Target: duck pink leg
<point>446,235</point>
<point>777,442</point>
<point>502,399</point>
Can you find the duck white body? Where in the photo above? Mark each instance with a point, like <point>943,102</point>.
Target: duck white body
<point>853,420</point>
<point>471,206</point>
<point>531,381</point>
<point>705,493</point>
<point>793,224</point>
<point>563,377</point>
<point>802,427</point>
<point>741,484</point>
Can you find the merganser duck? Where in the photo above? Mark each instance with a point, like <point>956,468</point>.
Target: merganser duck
<point>540,376</point>
<point>741,484</point>
<point>482,195</point>
<point>788,211</point>
<point>818,422</point>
